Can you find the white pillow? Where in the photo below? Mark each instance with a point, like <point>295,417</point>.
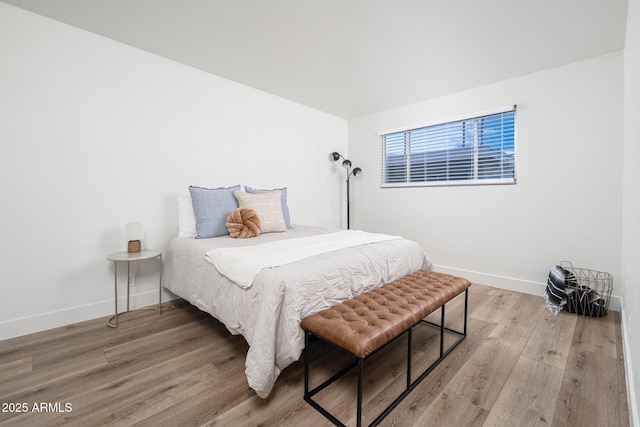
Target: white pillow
<point>268,206</point>
<point>186,217</point>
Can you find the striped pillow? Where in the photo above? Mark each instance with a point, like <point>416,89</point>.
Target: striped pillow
<point>268,206</point>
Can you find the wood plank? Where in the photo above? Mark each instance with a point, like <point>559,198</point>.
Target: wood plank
<point>202,408</point>
<point>596,334</point>
<point>516,327</point>
<point>529,397</point>
<point>551,340</point>
<point>589,393</point>
<point>146,395</point>
<point>482,378</point>
<point>16,367</point>
<point>485,290</point>
<point>451,410</point>
<point>496,306</point>
<point>40,377</point>
<point>191,334</point>
<point>257,411</point>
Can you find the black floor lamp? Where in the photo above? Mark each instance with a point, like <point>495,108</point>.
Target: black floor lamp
<point>335,156</point>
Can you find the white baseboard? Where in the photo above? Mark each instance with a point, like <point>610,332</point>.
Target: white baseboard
<point>510,283</point>
<point>41,322</point>
<point>634,416</point>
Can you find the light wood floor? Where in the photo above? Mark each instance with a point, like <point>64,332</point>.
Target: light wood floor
<point>519,366</point>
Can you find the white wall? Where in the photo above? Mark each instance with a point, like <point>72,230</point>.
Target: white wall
<point>631,209</point>
<point>565,206</point>
<point>95,134</point>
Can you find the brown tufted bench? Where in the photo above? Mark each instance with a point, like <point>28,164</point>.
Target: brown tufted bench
<point>365,324</point>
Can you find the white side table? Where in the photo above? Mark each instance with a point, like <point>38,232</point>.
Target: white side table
<point>127,257</point>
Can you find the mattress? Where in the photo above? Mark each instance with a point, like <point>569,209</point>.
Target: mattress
<point>268,313</point>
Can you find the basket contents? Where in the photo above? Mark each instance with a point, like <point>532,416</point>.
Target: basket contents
<point>578,290</point>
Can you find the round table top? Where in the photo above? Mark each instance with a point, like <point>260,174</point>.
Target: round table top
<point>137,256</point>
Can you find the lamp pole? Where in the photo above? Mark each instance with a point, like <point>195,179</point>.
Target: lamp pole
<point>348,200</point>
<point>355,172</point>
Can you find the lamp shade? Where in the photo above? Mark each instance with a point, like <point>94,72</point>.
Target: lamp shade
<point>357,172</point>
<point>135,233</point>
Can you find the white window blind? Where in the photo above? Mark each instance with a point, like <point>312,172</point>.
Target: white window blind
<point>479,149</point>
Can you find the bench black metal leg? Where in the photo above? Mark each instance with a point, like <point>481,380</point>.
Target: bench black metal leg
<point>359,410</point>
<point>442,331</point>
<point>466,305</point>
<point>359,363</point>
<point>306,364</point>
<point>409,338</point>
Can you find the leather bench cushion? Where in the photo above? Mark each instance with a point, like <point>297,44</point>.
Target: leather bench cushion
<point>365,323</point>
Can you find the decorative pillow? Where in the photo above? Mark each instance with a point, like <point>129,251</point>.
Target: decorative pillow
<point>186,217</point>
<point>243,223</point>
<point>268,206</point>
<point>285,207</point>
<point>211,207</point>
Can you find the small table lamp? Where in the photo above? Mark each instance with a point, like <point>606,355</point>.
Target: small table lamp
<point>135,233</point>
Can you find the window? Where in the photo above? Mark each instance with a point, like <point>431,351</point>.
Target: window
<point>479,149</point>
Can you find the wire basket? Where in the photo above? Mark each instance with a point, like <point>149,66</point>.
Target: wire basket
<point>588,291</point>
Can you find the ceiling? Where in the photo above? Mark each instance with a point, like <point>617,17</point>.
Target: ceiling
<point>355,57</point>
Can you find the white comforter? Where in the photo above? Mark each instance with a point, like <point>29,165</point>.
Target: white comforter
<point>242,265</point>
<point>268,313</point>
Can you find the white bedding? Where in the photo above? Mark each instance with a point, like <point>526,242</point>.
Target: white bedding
<point>242,265</point>
<point>268,313</point>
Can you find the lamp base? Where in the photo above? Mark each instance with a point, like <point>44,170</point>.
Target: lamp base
<point>134,246</point>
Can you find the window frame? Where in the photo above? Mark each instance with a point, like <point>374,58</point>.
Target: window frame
<point>406,161</point>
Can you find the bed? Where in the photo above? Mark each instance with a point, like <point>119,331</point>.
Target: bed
<point>267,305</point>
<point>268,313</point>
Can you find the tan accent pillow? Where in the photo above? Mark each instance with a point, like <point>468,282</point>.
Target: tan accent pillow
<point>268,206</point>
<point>243,223</point>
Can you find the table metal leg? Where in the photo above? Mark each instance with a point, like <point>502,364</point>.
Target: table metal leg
<point>113,320</point>
<point>115,287</point>
<point>128,282</point>
<point>160,287</point>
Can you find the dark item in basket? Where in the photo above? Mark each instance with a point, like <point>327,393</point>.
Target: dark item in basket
<point>584,301</point>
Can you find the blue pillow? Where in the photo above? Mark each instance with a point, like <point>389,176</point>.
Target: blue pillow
<point>283,199</point>
<point>211,207</point>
